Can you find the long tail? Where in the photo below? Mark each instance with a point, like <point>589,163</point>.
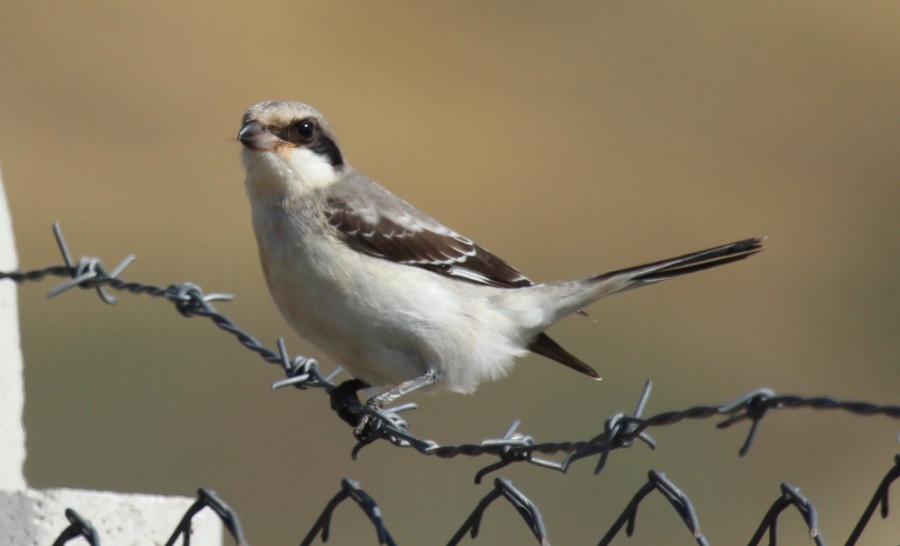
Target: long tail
<point>573,295</point>
<point>642,275</point>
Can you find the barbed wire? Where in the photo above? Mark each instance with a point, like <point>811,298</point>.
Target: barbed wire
<point>619,430</point>
<point>503,488</point>
<point>89,273</point>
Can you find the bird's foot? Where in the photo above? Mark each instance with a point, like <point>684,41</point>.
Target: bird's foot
<point>345,402</point>
<point>367,419</point>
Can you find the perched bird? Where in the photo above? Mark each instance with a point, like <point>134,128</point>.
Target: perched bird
<point>391,294</point>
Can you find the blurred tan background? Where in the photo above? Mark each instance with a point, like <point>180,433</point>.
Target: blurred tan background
<point>568,137</point>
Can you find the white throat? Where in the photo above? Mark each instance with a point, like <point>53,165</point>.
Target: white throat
<point>287,171</point>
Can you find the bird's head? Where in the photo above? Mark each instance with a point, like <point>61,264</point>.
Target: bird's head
<point>289,148</point>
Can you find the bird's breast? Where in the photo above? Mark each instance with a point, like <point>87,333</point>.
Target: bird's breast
<point>385,322</point>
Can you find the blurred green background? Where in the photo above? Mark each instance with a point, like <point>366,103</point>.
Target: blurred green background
<point>568,137</point>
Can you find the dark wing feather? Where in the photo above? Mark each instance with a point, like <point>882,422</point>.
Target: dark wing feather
<point>429,246</point>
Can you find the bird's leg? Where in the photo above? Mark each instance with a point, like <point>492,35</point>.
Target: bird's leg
<point>345,402</point>
<point>382,399</point>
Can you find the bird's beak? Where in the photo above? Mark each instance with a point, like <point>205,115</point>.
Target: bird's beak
<point>255,137</point>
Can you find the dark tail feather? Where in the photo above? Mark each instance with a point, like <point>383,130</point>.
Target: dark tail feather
<point>689,263</point>
<point>545,346</point>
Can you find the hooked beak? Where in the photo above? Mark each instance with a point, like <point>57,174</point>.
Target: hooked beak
<point>255,137</point>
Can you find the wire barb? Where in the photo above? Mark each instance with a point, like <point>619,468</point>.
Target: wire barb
<point>510,452</point>
<point>301,372</point>
<point>752,406</point>
<point>618,432</point>
<point>87,273</point>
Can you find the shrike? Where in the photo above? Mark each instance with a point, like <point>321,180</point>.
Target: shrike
<point>391,294</point>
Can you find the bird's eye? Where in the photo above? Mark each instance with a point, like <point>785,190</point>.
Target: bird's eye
<point>305,129</point>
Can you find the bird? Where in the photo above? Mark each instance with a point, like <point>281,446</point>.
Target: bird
<point>395,297</point>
